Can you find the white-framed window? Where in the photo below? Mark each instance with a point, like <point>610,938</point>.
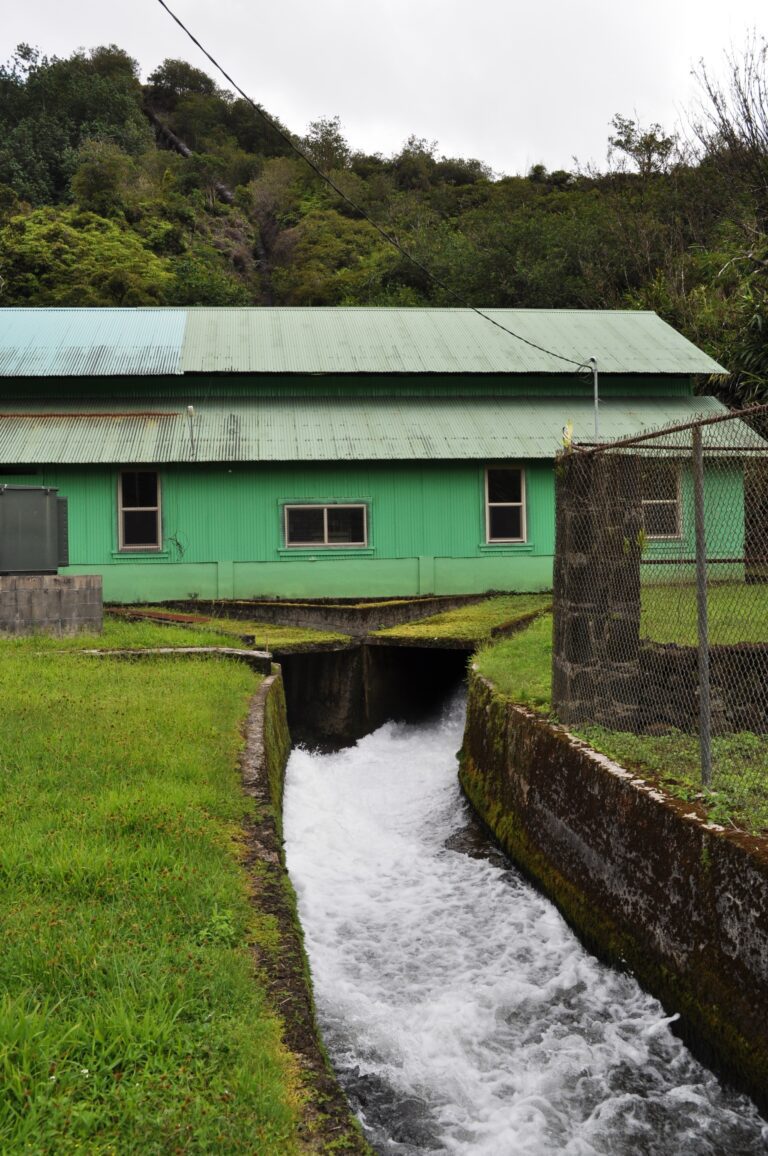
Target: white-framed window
<point>660,491</point>
<point>505,504</point>
<point>138,510</point>
<point>342,524</point>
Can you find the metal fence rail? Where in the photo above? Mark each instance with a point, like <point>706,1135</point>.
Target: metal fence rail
<point>661,596</point>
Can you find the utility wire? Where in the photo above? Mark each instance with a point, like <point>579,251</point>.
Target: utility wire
<point>388,237</point>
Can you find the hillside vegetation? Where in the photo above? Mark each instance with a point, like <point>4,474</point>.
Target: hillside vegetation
<point>114,192</point>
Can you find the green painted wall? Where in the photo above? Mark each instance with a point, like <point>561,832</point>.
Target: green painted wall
<point>723,522</point>
<point>223,526</point>
<point>222,531</point>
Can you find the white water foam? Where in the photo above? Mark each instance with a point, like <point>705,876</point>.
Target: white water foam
<point>459,1009</point>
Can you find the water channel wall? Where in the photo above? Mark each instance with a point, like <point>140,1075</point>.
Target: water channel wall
<point>328,1123</point>
<point>644,880</point>
<point>354,618</point>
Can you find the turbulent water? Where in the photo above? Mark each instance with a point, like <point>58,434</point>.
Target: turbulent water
<point>461,1013</point>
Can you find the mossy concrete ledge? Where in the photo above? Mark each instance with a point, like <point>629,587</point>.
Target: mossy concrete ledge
<point>642,877</point>
<point>328,1124</point>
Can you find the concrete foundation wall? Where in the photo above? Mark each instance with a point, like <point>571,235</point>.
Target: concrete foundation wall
<point>645,881</point>
<point>50,603</point>
<point>156,580</point>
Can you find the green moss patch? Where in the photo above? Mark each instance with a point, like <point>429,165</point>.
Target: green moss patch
<point>473,623</point>
<point>261,635</point>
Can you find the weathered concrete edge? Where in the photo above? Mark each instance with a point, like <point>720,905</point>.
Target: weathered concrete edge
<point>353,619</point>
<point>328,1123</point>
<point>258,660</point>
<point>647,883</point>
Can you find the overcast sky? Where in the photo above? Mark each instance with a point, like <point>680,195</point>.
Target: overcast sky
<point>510,83</point>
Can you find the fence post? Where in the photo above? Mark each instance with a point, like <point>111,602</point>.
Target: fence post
<point>705,711</point>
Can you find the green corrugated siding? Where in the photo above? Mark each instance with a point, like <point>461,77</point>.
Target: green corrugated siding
<point>724,524</point>
<point>213,514</point>
<point>223,531</point>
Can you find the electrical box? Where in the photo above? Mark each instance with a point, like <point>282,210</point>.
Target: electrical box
<point>33,530</point>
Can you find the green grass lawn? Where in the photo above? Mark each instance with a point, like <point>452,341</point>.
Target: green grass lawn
<point>132,1019</point>
<point>118,634</point>
<point>472,623</point>
<point>520,668</point>
<point>737,613</point>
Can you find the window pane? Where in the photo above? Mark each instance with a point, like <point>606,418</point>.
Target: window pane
<point>659,481</point>
<point>505,485</point>
<point>305,525</point>
<point>346,524</point>
<point>660,519</point>
<point>505,522</point>
<point>140,528</point>
<point>139,488</point>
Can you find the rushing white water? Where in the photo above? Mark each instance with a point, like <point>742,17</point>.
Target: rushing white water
<point>460,1011</point>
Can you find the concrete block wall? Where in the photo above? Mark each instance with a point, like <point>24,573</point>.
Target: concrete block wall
<point>50,604</point>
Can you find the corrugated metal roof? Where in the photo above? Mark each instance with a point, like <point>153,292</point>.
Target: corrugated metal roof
<point>375,340</point>
<point>329,429</point>
<point>90,342</point>
<point>108,342</point>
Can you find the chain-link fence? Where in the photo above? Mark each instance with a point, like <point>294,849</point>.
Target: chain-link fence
<point>661,604</point>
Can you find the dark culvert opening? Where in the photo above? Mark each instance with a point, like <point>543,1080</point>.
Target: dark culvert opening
<point>335,697</point>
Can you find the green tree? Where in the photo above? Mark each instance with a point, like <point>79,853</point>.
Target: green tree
<point>49,108</point>
<point>648,149</point>
<point>326,144</point>
<point>102,180</point>
<point>174,79</point>
<point>69,257</point>
<point>328,259</point>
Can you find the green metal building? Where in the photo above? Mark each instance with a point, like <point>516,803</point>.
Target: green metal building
<point>313,453</point>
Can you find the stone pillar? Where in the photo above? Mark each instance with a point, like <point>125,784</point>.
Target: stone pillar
<point>596,647</point>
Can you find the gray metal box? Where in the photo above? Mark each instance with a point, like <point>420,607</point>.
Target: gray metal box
<point>32,524</point>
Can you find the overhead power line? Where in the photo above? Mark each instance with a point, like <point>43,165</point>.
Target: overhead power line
<point>388,237</point>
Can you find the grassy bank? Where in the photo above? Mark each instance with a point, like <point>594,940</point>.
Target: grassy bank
<point>132,1017</point>
<point>520,667</point>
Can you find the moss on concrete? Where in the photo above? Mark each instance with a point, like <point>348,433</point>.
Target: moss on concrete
<point>259,635</point>
<point>722,1009</point>
<point>473,624</point>
<point>329,1124</point>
